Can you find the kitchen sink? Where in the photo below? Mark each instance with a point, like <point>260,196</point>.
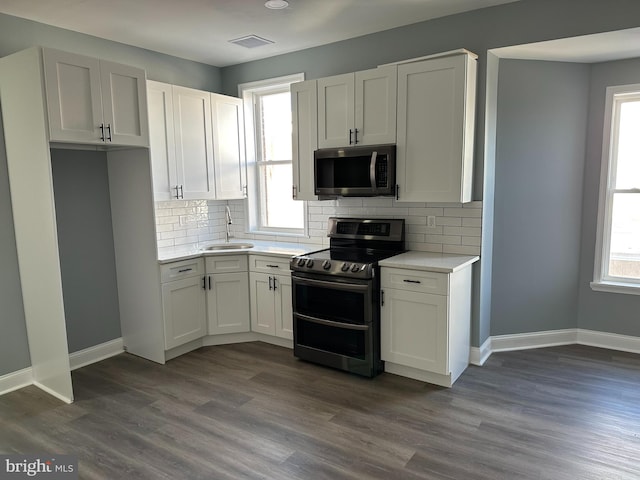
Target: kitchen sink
<point>227,246</point>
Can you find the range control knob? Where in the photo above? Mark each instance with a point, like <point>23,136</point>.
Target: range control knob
<point>301,262</point>
<point>345,267</point>
<point>326,264</point>
<point>355,267</point>
<point>309,263</point>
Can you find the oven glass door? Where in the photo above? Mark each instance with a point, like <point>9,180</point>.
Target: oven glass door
<point>333,299</point>
<point>348,342</point>
<point>333,322</point>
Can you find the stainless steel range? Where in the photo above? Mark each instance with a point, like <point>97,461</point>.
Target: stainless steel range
<point>336,294</point>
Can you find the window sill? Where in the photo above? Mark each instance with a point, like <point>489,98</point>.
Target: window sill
<point>616,287</point>
<point>277,234</point>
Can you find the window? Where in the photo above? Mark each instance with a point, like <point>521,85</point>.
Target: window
<point>269,157</point>
<point>617,265</point>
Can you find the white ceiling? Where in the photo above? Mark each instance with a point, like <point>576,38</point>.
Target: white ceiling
<point>200,30</point>
<point>595,48</point>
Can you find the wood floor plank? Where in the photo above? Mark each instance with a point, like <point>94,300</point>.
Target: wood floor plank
<point>253,411</point>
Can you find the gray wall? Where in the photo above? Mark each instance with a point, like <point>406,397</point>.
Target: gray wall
<point>540,148</point>
<point>85,242</point>
<point>608,312</point>
<point>14,347</point>
<point>17,34</point>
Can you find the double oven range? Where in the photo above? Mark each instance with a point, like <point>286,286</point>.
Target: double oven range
<point>336,294</point>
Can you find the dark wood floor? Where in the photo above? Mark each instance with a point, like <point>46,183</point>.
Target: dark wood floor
<point>253,411</point>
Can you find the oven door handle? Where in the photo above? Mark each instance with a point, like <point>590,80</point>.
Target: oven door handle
<point>353,287</point>
<point>331,323</point>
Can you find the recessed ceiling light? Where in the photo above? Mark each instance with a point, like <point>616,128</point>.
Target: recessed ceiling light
<point>276,4</point>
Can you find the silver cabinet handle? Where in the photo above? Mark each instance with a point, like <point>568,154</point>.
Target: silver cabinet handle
<point>185,270</point>
<point>109,130</point>
<point>411,281</point>
<point>273,266</point>
<point>275,285</point>
<point>270,286</point>
<point>102,132</point>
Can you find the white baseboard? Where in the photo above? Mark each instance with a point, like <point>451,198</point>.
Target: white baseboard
<point>96,353</point>
<point>479,355</point>
<point>53,393</point>
<point>523,341</point>
<point>551,338</point>
<point>612,341</point>
<point>16,380</point>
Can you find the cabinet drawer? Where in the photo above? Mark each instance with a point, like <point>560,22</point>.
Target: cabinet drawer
<point>226,263</point>
<point>415,280</point>
<point>182,269</point>
<point>268,264</point>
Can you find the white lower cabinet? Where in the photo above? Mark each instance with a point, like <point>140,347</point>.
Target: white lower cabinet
<point>183,302</point>
<point>270,288</point>
<point>227,294</point>
<point>426,323</point>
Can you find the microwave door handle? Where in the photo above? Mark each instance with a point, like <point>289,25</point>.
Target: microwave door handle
<point>372,171</point>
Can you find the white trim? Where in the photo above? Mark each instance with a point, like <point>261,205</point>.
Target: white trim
<point>550,338</point>
<point>52,392</point>
<point>523,341</point>
<point>602,281</point>
<point>611,287</point>
<point>479,355</point>
<point>94,354</point>
<point>268,83</point>
<point>611,341</point>
<point>16,380</point>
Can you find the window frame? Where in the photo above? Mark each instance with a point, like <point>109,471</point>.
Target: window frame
<point>254,208</point>
<point>602,281</point>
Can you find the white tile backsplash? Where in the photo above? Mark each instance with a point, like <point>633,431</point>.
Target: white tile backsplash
<point>457,230</point>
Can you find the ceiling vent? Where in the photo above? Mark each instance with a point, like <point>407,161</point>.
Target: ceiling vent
<point>251,41</point>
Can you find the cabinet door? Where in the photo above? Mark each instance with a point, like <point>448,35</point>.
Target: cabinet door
<point>375,106</point>
<point>228,146</point>
<point>284,307</point>
<point>414,330</point>
<point>263,309</point>
<point>433,148</point>
<point>124,102</point>
<point>161,140</point>
<point>304,109</point>
<point>336,111</point>
<point>228,303</point>
<point>183,306</point>
<point>194,144</point>
<point>74,102</point>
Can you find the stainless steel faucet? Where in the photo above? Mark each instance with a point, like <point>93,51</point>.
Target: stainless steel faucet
<point>227,222</point>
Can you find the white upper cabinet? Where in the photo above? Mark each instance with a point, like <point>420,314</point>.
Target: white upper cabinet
<point>436,118</point>
<point>228,145</point>
<point>357,108</point>
<point>304,109</point>
<point>194,143</point>
<point>161,140</point>
<point>197,144</point>
<point>92,101</point>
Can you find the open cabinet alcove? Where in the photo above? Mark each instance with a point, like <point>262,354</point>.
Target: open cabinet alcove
<point>27,143</point>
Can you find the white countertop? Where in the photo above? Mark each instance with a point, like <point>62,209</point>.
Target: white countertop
<point>174,254</point>
<point>432,262</point>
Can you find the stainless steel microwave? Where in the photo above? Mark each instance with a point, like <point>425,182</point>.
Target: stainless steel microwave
<point>362,171</point>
